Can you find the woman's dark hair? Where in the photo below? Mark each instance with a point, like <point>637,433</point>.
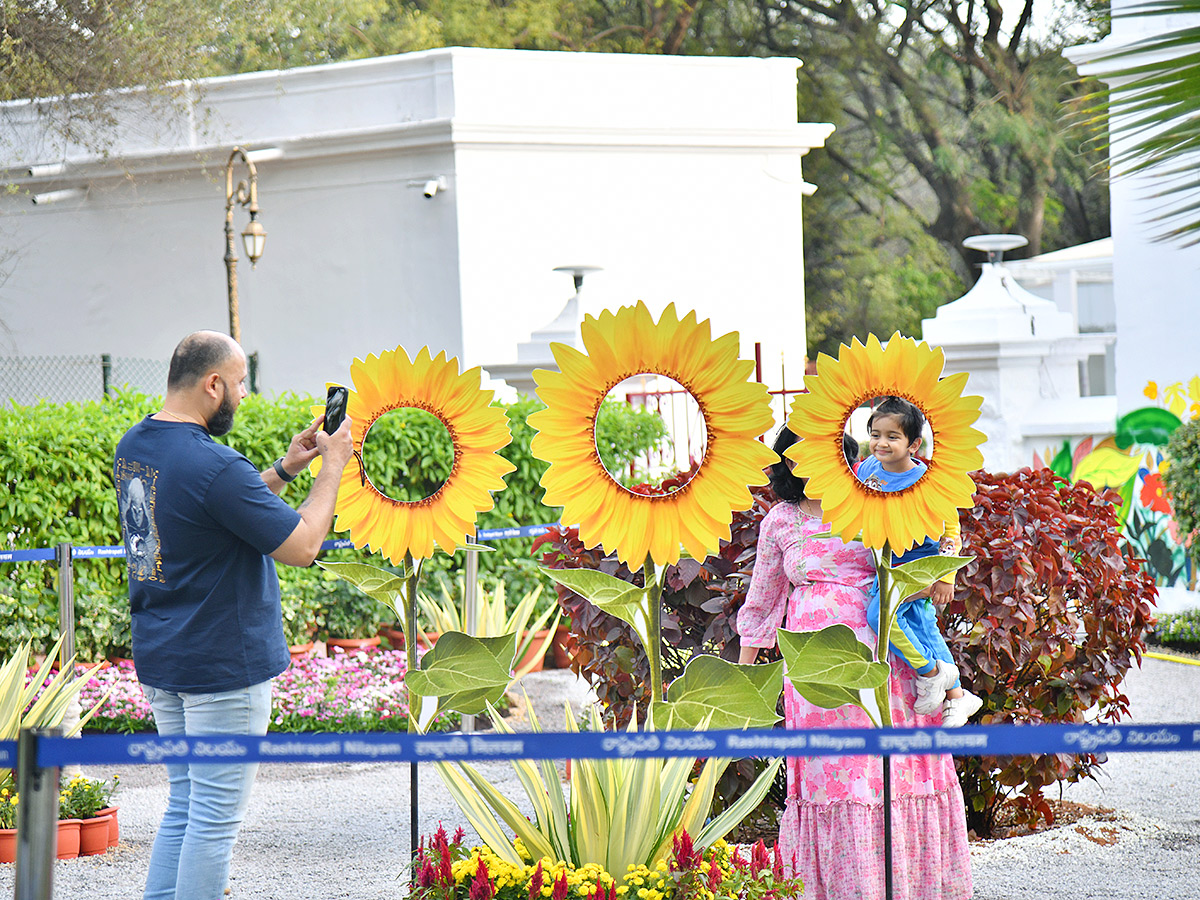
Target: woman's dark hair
<point>911,419</point>
<point>787,486</point>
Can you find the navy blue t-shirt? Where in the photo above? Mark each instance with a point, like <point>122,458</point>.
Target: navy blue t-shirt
<point>198,523</point>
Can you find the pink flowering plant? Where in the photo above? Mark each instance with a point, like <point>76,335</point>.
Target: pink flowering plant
<point>359,691</point>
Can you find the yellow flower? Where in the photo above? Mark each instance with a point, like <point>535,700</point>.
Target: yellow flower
<point>862,372</point>
<point>736,411</point>
<point>477,429</point>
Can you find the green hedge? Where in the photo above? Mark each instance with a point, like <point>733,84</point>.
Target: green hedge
<point>56,460</point>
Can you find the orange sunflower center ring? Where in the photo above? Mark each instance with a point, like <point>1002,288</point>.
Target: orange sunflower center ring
<point>735,410</point>
<point>477,430</point>
<point>863,371</point>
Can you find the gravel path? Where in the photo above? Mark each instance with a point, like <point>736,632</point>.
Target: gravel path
<point>319,832</point>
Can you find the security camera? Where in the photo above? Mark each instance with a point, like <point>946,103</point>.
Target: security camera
<point>431,188</point>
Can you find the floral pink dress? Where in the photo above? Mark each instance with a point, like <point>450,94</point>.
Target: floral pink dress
<point>832,826</point>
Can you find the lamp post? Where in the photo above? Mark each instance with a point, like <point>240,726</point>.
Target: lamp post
<point>254,235</point>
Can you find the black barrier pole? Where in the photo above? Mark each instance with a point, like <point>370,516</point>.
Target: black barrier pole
<point>37,820</point>
<point>66,604</point>
<point>887,827</point>
<point>412,663</point>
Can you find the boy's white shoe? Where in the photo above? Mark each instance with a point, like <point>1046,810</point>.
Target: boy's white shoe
<point>931,688</point>
<point>956,710</point>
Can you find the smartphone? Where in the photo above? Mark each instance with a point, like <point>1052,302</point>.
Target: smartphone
<point>335,407</point>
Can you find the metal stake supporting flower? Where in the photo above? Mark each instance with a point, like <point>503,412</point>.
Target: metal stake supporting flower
<point>882,521</point>
<point>467,671</point>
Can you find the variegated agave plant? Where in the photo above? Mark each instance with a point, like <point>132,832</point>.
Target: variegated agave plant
<point>620,812</point>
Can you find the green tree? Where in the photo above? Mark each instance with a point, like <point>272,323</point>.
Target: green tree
<point>949,110</point>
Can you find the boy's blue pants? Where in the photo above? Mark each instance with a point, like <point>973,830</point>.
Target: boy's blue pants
<point>916,638</point>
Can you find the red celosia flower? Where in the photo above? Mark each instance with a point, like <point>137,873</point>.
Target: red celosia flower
<point>482,887</point>
<point>535,883</point>
<point>777,864</point>
<point>714,874</point>
<point>426,874</point>
<point>686,857</point>
<point>560,887</point>
<point>759,860</point>
<point>445,874</point>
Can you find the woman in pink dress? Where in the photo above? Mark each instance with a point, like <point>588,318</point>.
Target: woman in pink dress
<point>832,826</point>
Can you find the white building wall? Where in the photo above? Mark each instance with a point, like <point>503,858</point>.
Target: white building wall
<point>680,177</point>
<point>1154,282</point>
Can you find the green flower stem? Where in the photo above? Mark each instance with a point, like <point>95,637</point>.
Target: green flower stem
<point>410,634</point>
<point>883,693</point>
<point>654,589</point>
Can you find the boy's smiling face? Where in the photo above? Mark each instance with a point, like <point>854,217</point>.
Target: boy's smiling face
<point>890,445</point>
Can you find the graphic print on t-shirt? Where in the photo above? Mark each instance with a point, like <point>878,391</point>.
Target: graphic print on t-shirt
<point>135,493</point>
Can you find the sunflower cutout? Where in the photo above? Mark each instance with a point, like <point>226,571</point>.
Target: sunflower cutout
<point>476,428</point>
<point>735,411</point>
<point>860,373</point>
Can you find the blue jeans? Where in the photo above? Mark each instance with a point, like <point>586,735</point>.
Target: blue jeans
<point>207,802</point>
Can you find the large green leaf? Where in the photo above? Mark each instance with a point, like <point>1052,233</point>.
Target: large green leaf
<point>729,695</point>
<point>832,655</point>
<point>1106,467</point>
<point>616,597</point>
<point>465,673</point>
<point>919,574</point>
<point>378,584</point>
<point>829,667</point>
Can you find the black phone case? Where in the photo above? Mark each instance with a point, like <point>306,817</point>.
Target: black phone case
<point>335,408</point>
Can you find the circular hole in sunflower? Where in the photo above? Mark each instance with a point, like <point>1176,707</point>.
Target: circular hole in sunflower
<point>408,454</point>
<point>895,434</point>
<point>651,435</point>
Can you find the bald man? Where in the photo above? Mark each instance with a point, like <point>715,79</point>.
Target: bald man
<point>203,593</point>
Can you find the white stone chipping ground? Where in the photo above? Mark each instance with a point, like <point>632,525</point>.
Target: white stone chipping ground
<point>319,832</point>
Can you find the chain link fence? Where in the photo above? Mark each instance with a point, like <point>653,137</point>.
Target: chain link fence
<point>24,380</point>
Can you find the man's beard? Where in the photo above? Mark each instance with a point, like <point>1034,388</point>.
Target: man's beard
<point>221,421</point>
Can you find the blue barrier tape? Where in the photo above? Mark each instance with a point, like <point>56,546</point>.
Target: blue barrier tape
<point>522,531</point>
<point>974,740</point>
<point>45,554</point>
<point>27,555</point>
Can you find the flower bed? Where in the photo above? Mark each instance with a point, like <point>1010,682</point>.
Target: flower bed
<point>360,691</point>
<point>447,870</point>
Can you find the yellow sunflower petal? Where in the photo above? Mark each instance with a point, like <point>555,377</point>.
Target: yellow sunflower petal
<point>617,346</point>
<point>862,371</point>
<point>477,428</point>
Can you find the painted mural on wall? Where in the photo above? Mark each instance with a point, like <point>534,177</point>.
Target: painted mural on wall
<point>1131,462</point>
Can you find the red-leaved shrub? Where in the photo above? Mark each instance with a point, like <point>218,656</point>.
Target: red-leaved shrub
<point>1045,622</point>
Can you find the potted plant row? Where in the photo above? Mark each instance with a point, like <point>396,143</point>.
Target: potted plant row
<point>87,820</point>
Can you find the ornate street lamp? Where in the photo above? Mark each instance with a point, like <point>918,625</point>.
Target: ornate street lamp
<point>254,235</point>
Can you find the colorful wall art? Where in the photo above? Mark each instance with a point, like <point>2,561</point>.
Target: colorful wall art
<point>1131,461</point>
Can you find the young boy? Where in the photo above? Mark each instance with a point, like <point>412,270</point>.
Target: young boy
<point>895,436</point>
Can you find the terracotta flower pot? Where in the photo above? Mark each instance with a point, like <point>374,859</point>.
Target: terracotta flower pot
<point>300,651</point>
<point>8,845</point>
<point>394,636</point>
<point>561,646</point>
<point>350,644</point>
<point>426,639</point>
<point>93,835</point>
<point>68,838</point>
<point>114,830</point>
<point>532,655</point>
